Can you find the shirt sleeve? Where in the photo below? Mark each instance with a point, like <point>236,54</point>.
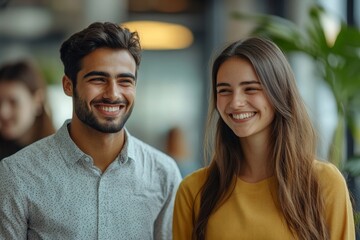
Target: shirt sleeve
<point>163,223</point>
<point>338,206</point>
<point>13,224</point>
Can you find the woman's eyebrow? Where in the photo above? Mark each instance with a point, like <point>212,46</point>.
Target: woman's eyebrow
<point>249,82</point>
<point>241,83</point>
<point>222,85</point>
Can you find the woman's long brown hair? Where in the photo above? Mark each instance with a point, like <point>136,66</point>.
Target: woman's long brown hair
<point>293,145</point>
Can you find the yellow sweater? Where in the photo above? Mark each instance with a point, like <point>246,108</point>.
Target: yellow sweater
<point>250,212</point>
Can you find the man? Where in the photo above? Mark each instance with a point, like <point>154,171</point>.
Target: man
<point>92,179</point>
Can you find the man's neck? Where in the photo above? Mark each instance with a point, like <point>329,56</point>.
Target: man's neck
<point>102,147</point>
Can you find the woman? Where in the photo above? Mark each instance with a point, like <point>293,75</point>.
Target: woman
<point>23,112</point>
<point>264,181</point>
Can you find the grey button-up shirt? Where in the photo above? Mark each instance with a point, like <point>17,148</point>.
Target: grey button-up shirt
<point>52,190</point>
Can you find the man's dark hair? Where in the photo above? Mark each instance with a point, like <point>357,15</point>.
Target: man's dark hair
<point>97,35</point>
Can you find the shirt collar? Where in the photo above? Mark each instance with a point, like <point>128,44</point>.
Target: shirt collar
<point>128,151</point>
<point>68,149</point>
<point>71,153</point>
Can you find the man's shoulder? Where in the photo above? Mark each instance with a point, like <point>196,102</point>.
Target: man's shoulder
<point>32,154</point>
<point>147,150</point>
<point>147,154</point>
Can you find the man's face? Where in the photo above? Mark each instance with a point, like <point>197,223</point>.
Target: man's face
<point>105,92</point>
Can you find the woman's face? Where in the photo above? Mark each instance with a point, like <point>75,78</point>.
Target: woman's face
<point>241,100</point>
<point>18,110</point>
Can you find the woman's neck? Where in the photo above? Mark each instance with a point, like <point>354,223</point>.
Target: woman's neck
<point>257,164</point>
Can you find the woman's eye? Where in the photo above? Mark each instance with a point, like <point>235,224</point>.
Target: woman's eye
<point>252,89</point>
<point>14,102</point>
<point>223,91</point>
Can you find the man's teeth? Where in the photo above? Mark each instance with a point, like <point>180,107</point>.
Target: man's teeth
<point>243,115</point>
<point>110,109</point>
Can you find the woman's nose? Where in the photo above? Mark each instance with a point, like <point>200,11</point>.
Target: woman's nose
<point>238,100</point>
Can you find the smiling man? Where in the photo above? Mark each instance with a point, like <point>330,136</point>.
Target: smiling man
<point>92,179</point>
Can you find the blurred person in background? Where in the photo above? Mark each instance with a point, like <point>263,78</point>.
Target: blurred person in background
<point>24,113</point>
<point>92,179</point>
<point>264,180</point>
<point>176,147</point>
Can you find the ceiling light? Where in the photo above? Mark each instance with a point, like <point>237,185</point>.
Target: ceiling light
<point>25,22</point>
<point>160,35</point>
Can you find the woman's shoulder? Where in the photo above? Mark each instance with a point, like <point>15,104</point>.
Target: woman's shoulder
<point>324,168</point>
<point>195,180</point>
<point>329,175</point>
<point>196,176</point>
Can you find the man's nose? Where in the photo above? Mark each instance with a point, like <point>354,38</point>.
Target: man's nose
<point>112,90</point>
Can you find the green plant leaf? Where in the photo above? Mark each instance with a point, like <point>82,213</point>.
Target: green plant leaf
<point>352,166</point>
<point>336,152</point>
<point>284,32</point>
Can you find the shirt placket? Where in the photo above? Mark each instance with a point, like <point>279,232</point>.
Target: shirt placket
<point>103,208</point>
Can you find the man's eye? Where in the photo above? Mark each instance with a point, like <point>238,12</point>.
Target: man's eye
<point>127,82</point>
<point>97,80</point>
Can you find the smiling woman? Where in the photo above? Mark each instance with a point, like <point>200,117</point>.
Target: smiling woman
<point>241,101</point>
<point>263,173</point>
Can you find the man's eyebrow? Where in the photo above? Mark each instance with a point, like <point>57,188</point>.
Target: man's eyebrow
<point>126,75</point>
<point>105,74</point>
<point>96,73</point>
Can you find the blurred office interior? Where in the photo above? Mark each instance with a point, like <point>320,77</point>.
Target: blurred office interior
<point>173,83</point>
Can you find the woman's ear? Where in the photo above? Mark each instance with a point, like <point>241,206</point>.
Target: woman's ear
<point>67,86</point>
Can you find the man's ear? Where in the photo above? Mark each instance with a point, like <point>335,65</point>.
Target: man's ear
<point>67,86</point>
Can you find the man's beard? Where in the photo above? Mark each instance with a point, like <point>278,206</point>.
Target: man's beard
<point>87,117</point>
